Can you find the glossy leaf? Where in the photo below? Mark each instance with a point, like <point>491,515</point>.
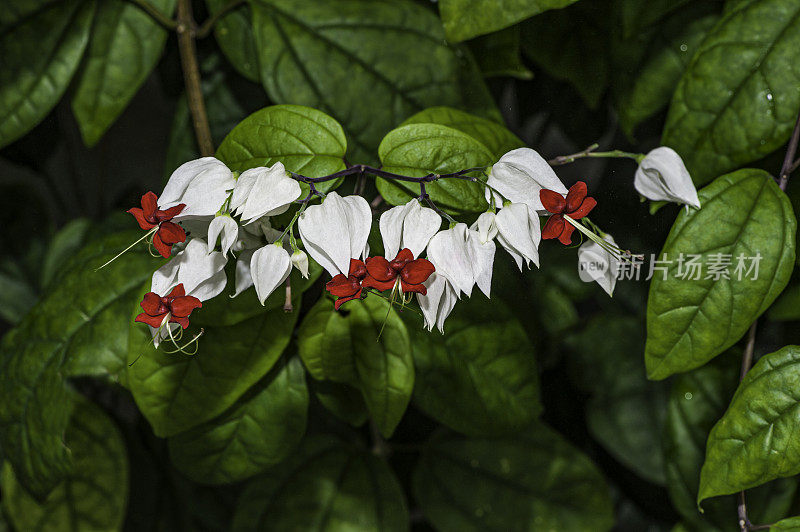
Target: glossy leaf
<point>480,377</point>
<point>63,246</point>
<point>498,54</point>
<point>38,65</point>
<point>465,19</point>
<point>738,99</point>
<point>125,45</point>
<point>790,524</point>
<point>367,347</point>
<point>234,34</point>
<point>535,481</point>
<point>689,321</point>
<point>93,496</point>
<point>419,149</point>
<point>755,441</point>
<point>257,432</point>
<point>343,401</point>
<point>367,63</point>
<point>325,486</point>
<point>79,328</point>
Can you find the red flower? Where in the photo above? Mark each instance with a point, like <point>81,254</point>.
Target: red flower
<point>150,216</point>
<point>382,274</point>
<point>347,288</point>
<point>576,206</point>
<point>176,304</point>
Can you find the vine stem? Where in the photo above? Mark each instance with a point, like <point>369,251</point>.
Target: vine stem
<point>191,77</point>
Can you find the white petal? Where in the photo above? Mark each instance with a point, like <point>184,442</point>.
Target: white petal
<point>164,278</point>
<point>211,287</point>
<point>662,176</point>
<point>596,264</point>
<point>300,261</point>
<point>269,267</point>
<point>326,235</point>
<point>268,192</point>
<point>196,266</point>
<point>391,226</point>
<point>520,174</point>
<point>516,234</point>
<point>228,228</point>
<point>448,251</point>
<point>419,226</point>
<point>243,279</point>
<point>359,216</point>
<point>202,184</point>
<point>486,227</point>
<point>482,257</point>
<point>446,306</point>
<point>439,302</point>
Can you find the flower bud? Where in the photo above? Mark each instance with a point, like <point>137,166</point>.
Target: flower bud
<point>269,267</point>
<point>519,175</point>
<point>662,176</point>
<point>300,261</point>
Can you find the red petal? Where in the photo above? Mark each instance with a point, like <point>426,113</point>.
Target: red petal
<point>182,307</point>
<point>152,321</point>
<point>171,233</point>
<point>178,291</point>
<point>584,209</point>
<point>418,288</point>
<point>417,271</point>
<point>342,286</point>
<point>183,322</point>
<point>149,204</point>
<point>566,234</point>
<point>371,282</point>
<point>150,303</point>
<point>576,195</point>
<point>339,302</point>
<point>357,269</point>
<point>403,257</point>
<point>139,215</point>
<point>162,248</point>
<point>169,214</point>
<point>552,201</point>
<point>380,269</point>
<point>553,227</point>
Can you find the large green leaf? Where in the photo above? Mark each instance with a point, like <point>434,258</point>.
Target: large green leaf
<point>536,481</point>
<point>493,135</point>
<point>368,63</point>
<point>791,524</point>
<point>697,400</point>
<point>95,493</point>
<point>480,377</point>
<point>325,486</point>
<point>41,51</point>
<point>367,347</point>
<point>626,411</point>
<point>465,19</point>
<point>499,54</point>
<point>234,34</point>
<point>419,149</point>
<point>637,15</point>
<point>755,440</point>
<point>177,392</point>
<point>738,99</point>
<point>691,321</point>
<point>257,432</point>
<point>125,45</point>
<point>79,328</point>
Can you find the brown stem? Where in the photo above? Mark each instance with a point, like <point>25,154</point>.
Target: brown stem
<point>191,77</point>
<point>789,163</point>
<point>564,159</point>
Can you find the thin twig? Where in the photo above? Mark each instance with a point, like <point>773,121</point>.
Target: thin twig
<point>789,164</point>
<point>155,14</point>
<point>204,30</point>
<point>287,303</point>
<point>564,159</point>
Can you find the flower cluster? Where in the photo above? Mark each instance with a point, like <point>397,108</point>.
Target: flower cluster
<point>227,216</point>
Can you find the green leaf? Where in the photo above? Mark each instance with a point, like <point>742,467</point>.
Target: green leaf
<point>689,321</point>
<point>637,15</point>
<point>787,306</point>
<point>234,34</point>
<point>465,19</point>
<point>63,246</point>
<point>41,50</point>
<point>419,149</point>
<point>790,524</point>
<point>480,377</point>
<point>498,54</point>
<point>365,346</point>
<point>305,140</point>
<point>79,328</point>
<point>17,296</point>
<point>367,63</point>
<point>93,496</point>
<point>697,400</point>
<point>325,486</point>
<point>665,62</point>
<point>177,392</point>
<point>536,481</point>
<point>571,45</point>
<point>625,412</point>
<point>493,135</point>
<point>125,45</point>
<point>738,101</point>
<point>755,441</point>
<point>343,401</point>
<point>257,432</point>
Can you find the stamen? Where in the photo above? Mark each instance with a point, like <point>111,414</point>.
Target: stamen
<point>182,349</point>
<point>118,255</point>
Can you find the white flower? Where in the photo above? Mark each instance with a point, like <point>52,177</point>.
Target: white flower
<point>203,185</point>
<point>519,175</point>
<point>336,231</point>
<point>597,264</point>
<point>263,191</point>
<point>300,261</point>
<point>243,279</point>
<point>201,273</point>
<point>485,226</point>
<point>408,226</point>
<point>438,303</point>
<point>662,176</point>
<point>269,267</point>
<point>481,254</point>
<point>449,252</point>
<point>519,233</point>
<point>225,226</point>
